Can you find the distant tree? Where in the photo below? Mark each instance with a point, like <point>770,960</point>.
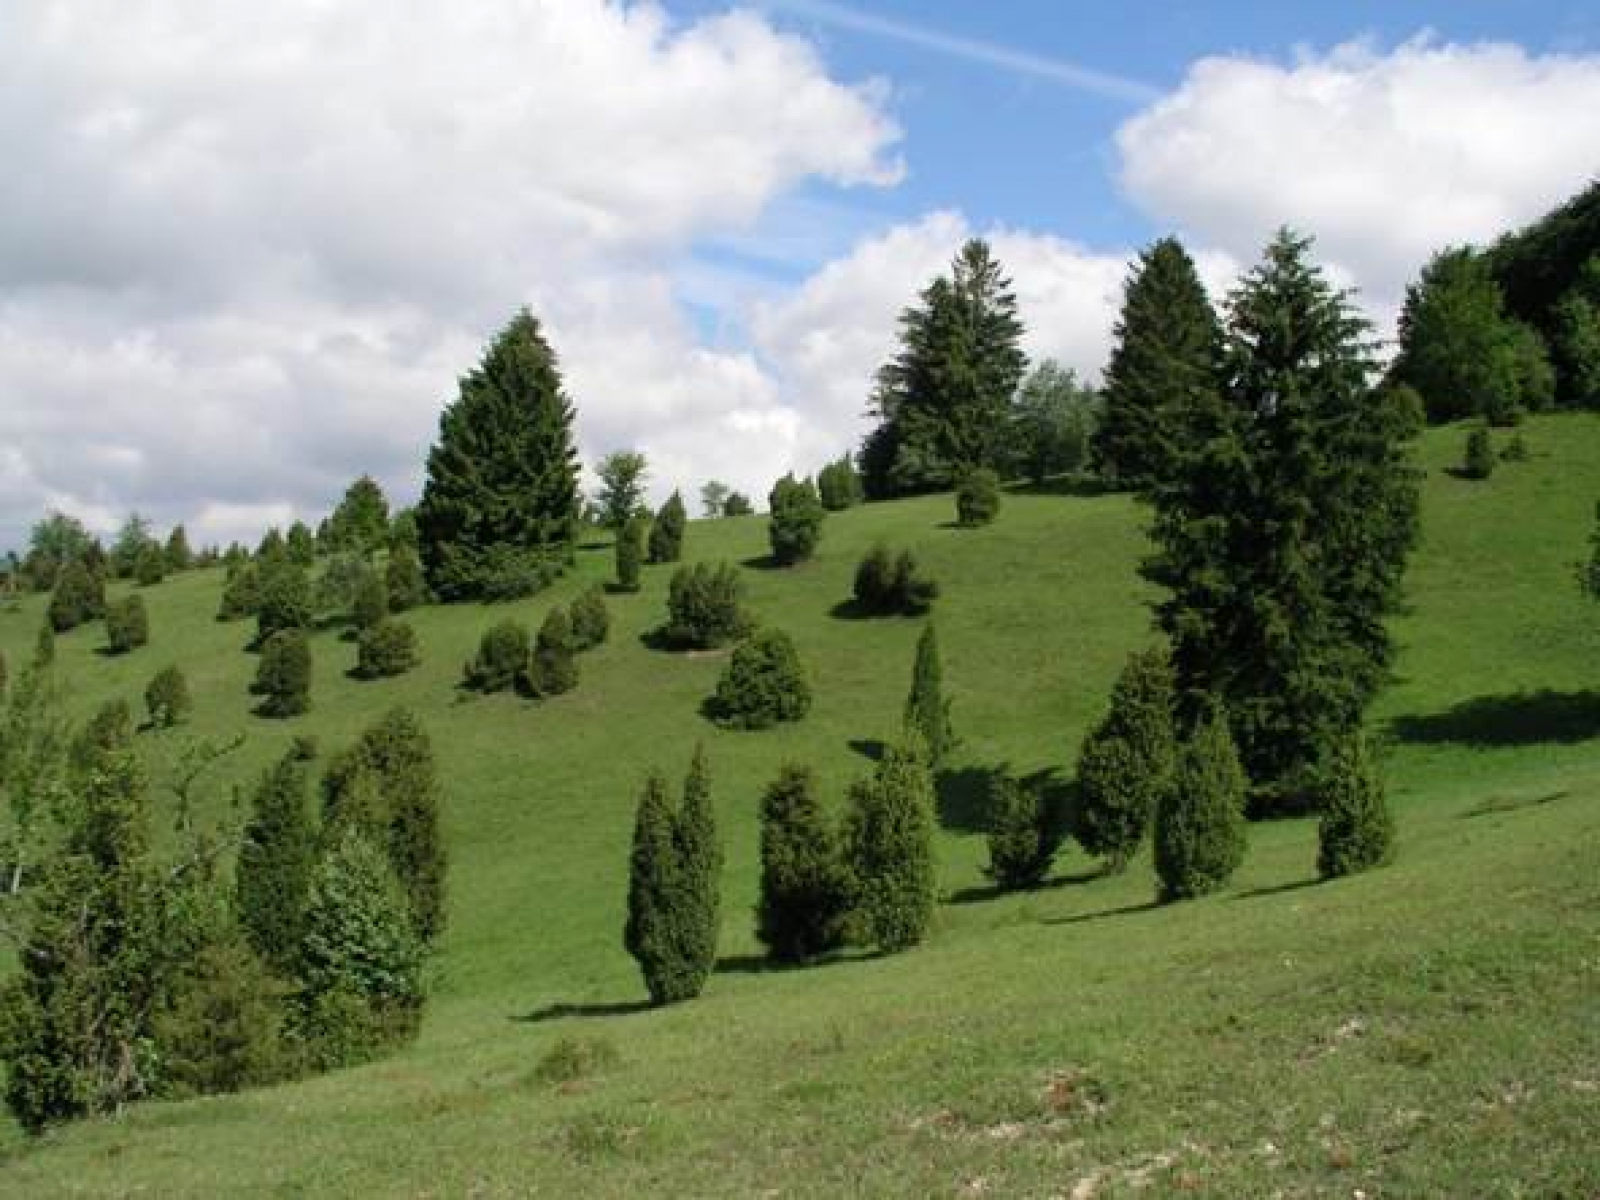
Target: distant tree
<point>178,555</point>
<point>590,621</point>
<point>927,711</point>
<point>666,532</point>
<point>403,577</point>
<point>1051,421</point>
<point>502,484</point>
<point>53,542</point>
<point>977,498</point>
<point>1532,369</point>
<point>705,606</point>
<point>403,530</point>
<point>1164,361</point>
<point>272,547</point>
<point>714,499</point>
<point>888,840</point>
<point>630,554</point>
<point>795,523</point>
<point>133,539</point>
<point>167,699</point>
<point>1200,830</point>
<point>285,600</point>
<point>277,857</point>
<point>1024,834</point>
<point>888,583</point>
<point>33,763</point>
<point>300,545</point>
<point>283,676</point>
<point>151,566</point>
<point>78,597</point>
<point>763,684</point>
<point>1479,460</point>
<point>621,496</point>
<point>737,505</point>
<point>241,593</point>
<point>127,626</point>
<point>553,665</point>
<point>361,521</point>
<point>501,659</point>
<point>1127,761</point>
<point>1356,831</point>
<point>1575,322</point>
<point>839,485</point>
<point>942,401</point>
<point>806,889</point>
<point>370,604</point>
<point>386,649</point>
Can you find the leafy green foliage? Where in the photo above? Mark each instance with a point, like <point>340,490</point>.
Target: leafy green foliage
<point>666,532</point>
<point>403,575</point>
<point>386,649</point>
<point>501,659</point>
<point>224,1027</point>
<point>737,505</point>
<point>127,624</point>
<point>621,496</point>
<point>839,485</point>
<point>283,676</point>
<point>133,540</point>
<point>590,619</point>
<point>241,593</point>
<point>888,583</point>
<point>178,554</point>
<point>1127,761</point>
<point>553,666</point>
<point>300,545</point>
<point>705,606</point>
<point>1051,422</point>
<point>943,400</point>
<point>1356,831</point>
<point>713,498</point>
<point>1575,323</point>
<point>762,685</point>
<point>977,498</point>
<point>285,602</point>
<point>370,604</point>
<point>630,553</point>
<point>361,521</point>
<point>502,486</point>
<point>927,712</point>
<point>1024,834</point>
<point>806,888</point>
<point>794,523</point>
<point>1200,829</point>
<point>53,542</point>
<point>167,699</point>
<point>277,855</point>
<point>79,596</point>
<point>888,844</point>
<point>150,568</point>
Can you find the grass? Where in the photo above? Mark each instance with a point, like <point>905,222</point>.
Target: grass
<point>1430,1028</point>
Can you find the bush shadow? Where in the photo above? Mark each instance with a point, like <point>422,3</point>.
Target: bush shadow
<point>1102,914</point>
<point>871,749</point>
<point>561,1011</point>
<point>1512,719</point>
<point>984,892</point>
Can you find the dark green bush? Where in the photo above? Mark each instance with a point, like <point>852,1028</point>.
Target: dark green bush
<point>666,533</point>
<point>386,649</point>
<point>127,626</point>
<point>705,606</point>
<point>150,567</point>
<point>737,505</point>
<point>505,573</point>
<point>403,575</point>
<point>501,659</point>
<point>553,665</point>
<point>1024,834</point>
<point>167,699</point>
<point>370,604</point>
<point>1356,832</point>
<point>285,601</point>
<point>224,1029</point>
<point>1127,761</point>
<point>590,620</point>
<point>1200,824</point>
<point>79,596</point>
<point>888,583</point>
<point>839,485</point>
<point>630,554</point>
<point>241,594</point>
<point>806,887</point>
<point>283,676</point>
<point>1479,460</point>
<point>888,838</point>
<point>795,522</point>
<point>977,498</point>
<point>762,685</point>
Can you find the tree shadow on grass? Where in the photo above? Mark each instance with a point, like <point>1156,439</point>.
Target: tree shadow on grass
<point>989,891</point>
<point>962,798</point>
<point>763,562</point>
<point>1101,914</point>
<point>1506,804</point>
<point>561,1011</point>
<point>1513,719</point>
<point>871,749</point>
<point>1278,889</point>
<point>761,964</point>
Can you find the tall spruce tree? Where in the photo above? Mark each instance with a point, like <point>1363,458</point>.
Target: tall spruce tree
<point>1282,532</point>
<point>889,847</point>
<point>1127,761</point>
<point>806,888</point>
<point>276,859</point>
<point>502,481</point>
<point>1164,357</point>
<point>942,402</point>
<point>927,712</point>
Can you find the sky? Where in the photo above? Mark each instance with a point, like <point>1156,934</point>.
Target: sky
<point>247,250</point>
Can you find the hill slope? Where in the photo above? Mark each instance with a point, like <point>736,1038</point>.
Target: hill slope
<point>1426,1028</point>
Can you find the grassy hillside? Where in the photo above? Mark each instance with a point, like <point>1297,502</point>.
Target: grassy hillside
<point>1428,1028</point>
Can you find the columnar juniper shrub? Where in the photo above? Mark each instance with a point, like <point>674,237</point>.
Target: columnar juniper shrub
<point>1200,824</point>
<point>705,606</point>
<point>806,888</point>
<point>888,840</point>
<point>501,659</point>
<point>1479,460</point>
<point>977,497</point>
<point>283,675</point>
<point>167,698</point>
<point>1127,761</point>
<point>795,524</point>
<point>370,603</point>
<point>285,600</point>
<point>277,856</point>
<point>630,554</point>
<point>241,594</point>
<point>553,665</point>
<point>403,575</point>
<point>127,625</point>
<point>386,649</point>
<point>589,618</point>
<point>1024,833</point>
<point>762,685</point>
<point>927,712</point>
<point>1356,831</point>
<point>666,532</point>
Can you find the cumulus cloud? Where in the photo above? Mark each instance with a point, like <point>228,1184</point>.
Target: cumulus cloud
<point>1383,156</point>
<point>246,250</point>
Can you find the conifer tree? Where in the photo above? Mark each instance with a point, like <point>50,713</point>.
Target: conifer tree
<point>501,659</point>
<point>283,675</point>
<point>1200,830</point>
<point>1126,763</point>
<point>700,859</point>
<point>1479,460</point>
<point>794,526</point>
<point>300,545</point>
<point>653,935</point>
<point>178,555</point>
<point>370,604</point>
<point>403,576</point>
<point>1164,358</point>
<point>386,649</point>
<point>285,601</point>
<point>78,597</point>
<point>277,856</point>
<point>241,594</point>
<point>889,846</point>
<point>503,477</point>
<point>167,698</point>
<point>127,625</point>
<point>763,684</point>
<point>630,554</point>
<point>33,761</point>
<point>400,756</point>
<point>1024,834</point>
<point>1356,831</point>
<point>977,497</point>
<point>666,532</point>
<point>927,711</point>
<point>361,521</point>
<point>705,606</point>
<point>553,665</point>
<point>806,889</point>
<point>150,568</point>
<point>590,621</point>
<point>839,485</point>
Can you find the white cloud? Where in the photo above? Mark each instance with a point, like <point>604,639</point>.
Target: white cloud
<point>1383,157</point>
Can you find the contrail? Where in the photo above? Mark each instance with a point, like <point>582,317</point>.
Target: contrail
<point>1005,58</point>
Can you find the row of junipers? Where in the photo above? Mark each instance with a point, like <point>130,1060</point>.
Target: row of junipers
<point>545,665</point>
<point>144,971</point>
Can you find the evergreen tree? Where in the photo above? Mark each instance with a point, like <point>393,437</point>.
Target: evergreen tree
<point>370,604</point>
<point>53,542</point>
<point>300,545</point>
<point>887,583</point>
<point>132,541</point>
<point>889,846</point>
<point>1126,763</point>
<point>666,533</point>
<point>1576,342</point>
<point>109,729</point>
<point>795,522</point>
<point>1163,358</point>
<point>361,521</point>
<point>1200,831</point>
<point>943,400</point>
<point>167,699</point>
<point>127,625</point>
<point>285,600</point>
<point>283,676</point>
<point>501,659</point>
<point>1282,532</point>
<point>630,554</point>
<point>403,576</point>
<point>78,597</point>
<point>272,548</point>
<point>503,477</point>
<point>713,499</point>
<point>1356,831</point>
<point>763,684</point>
<point>277,857</point>
<point>977,498</point>
<point>1051,422</point>
<point>241,594</point>
<point>223,1029</point>
<point>386,649</point>
<point>151,566</point>
<point>737,505</point>
<point>33,763</point>
<point>1479,460</point>
<point>806,889</point>
<point>621,496</point>
<point>178,555</point>
<point>839,485</point>
<point>705,606</point>
<point>700,857</point>
<point>589,618</point>
<point>927,711</point>
<point>400,755</point>
<point>656,899</point>
<point>1024,834</point>
<point>553,666</point>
